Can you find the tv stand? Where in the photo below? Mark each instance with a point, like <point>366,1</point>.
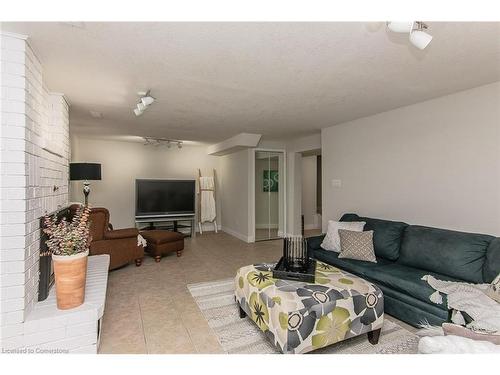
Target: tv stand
<point>175,223</point>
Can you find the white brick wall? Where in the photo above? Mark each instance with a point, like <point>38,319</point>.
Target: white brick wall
<point>34,158</point>
<point>76,330</point>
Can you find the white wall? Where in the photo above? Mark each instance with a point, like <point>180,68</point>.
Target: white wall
<point>294,149</point>
<point>303,144</point>
<point>33,181</point>
<point>309,178</point>
<point>235,188</point>
<point>123,162</point>
<point>435,163</point>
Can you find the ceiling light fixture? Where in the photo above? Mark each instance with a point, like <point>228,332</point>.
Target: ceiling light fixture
<point>418,37</point>
<point>145,101</point>
<point>400,27</point>
<point>151,141</point>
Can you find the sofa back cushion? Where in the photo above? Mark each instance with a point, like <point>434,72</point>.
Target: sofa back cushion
<point>387,235</point>
<point>491,266</point>
<point>99,221</point>
<point>456,254</point>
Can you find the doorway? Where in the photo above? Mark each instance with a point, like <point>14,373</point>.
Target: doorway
<point>311,193</point>
<point>269,195</point>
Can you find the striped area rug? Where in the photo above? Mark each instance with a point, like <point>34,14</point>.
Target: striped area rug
<point>241,336</point>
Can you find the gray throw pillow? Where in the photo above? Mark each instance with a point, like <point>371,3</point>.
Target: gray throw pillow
<point>357,245</point>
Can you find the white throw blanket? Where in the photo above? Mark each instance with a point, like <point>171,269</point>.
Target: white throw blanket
<point>469,298</point>
<point>141,241</point>
<point>454,345</point>
<point>207,200</point>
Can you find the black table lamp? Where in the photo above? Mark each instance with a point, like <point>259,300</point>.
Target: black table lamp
<point>85,172</point>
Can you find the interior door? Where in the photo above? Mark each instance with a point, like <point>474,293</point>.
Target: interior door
<point>269,195</point>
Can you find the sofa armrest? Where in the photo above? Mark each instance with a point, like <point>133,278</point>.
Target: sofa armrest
<point>121,233</point>
<point>314,243</point>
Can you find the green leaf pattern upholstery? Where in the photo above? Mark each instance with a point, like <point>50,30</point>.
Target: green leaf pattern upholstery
<point>299,317</point>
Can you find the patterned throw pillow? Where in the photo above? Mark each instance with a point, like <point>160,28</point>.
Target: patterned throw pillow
<point>332,240</point>
<point>357,245</point>
<point>493,290</point>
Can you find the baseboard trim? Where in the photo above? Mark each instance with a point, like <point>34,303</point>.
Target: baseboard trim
<point>266,226</point>
<point>311,226</point>
<point>207,227</point>
<point>247,239</point>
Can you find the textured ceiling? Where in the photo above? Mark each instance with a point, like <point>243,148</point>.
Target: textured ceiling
<point>282,80</point>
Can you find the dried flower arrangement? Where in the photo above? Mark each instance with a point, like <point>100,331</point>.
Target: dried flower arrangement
<point>68,238</point>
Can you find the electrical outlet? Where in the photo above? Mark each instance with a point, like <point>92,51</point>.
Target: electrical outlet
<point>336,183</point>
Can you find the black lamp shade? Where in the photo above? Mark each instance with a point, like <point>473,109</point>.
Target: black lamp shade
<point>84,171</point>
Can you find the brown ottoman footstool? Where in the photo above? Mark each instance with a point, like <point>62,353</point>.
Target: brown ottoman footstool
<point>161,242</point>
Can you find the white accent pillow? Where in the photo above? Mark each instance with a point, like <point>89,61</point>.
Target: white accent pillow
<point>332,240</point>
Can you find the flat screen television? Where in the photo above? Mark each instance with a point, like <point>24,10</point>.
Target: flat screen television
<point>157,198</point>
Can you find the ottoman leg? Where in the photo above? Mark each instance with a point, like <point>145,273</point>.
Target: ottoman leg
<point>138,262</point>
<point>157,258</point>
<point>179,253</point>
<point>373,336</point>
<point>243,314</point>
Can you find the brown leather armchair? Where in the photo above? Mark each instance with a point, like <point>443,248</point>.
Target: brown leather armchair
<point>121,244</point>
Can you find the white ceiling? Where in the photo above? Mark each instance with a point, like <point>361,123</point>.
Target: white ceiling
<point>282,80</point>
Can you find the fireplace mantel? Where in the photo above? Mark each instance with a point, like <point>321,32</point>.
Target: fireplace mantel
<point>48,329</point>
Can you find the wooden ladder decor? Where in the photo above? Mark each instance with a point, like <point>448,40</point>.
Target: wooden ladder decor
<point>214,222</point>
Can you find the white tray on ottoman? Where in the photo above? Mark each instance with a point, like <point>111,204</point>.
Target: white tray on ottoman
<point>299,317</point>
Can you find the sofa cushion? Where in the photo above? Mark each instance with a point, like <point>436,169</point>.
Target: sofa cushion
<point>387,234</point>
<point>314,243</point>
<point>357,267</point>
<point>159,236</point>
<point>121,233</point>
<point>407,280</point>
<point>491,266</point>
<point>411,310</point>
<point>456,254</point>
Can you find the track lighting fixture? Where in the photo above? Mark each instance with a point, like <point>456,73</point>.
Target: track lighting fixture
<point>145,101</point>
<point>150,141</point>
<point>418,37</point>
<point>400,27</point>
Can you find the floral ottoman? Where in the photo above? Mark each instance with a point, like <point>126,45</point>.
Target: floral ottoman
<point>299,317</point>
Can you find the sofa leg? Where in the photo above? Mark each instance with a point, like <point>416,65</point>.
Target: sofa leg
<point>373,336</point>
<point>138,262</point>
<point>157,258</point>
<point>243,314</point>
<point>179,253</point>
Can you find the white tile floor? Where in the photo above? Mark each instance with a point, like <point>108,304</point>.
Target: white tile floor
<point>150,310</point>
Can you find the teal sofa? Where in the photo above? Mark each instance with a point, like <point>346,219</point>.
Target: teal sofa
<point>405,253</point>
